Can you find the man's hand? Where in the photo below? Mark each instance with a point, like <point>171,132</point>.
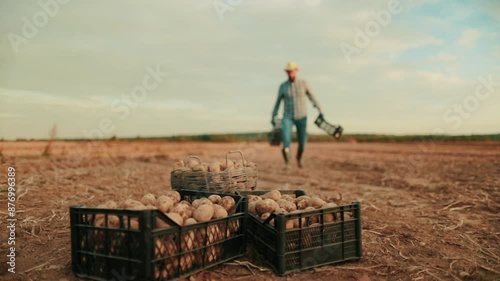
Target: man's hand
<point>273,122</point>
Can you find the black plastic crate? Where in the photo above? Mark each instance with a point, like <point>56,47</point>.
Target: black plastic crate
<point>288,250</point>
<point>130,246</point>
<point>333,130</point>
<point>274,136</point>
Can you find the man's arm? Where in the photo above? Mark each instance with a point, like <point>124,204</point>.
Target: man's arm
<point>277,105</point>
<point>312,97</point>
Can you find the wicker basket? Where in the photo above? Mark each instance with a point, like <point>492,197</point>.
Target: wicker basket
<point>229,180</point>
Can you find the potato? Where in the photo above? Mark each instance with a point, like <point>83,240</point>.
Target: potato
<point>148,199</point>
<point>266,206</point>
<point>234,227</point>
<point>190,221</point>
<point>187,240</point>
<point>265,216</point>
<point>188,208</point>
<point>287,205</point>
<point>297,221</point>
<point>200,168</point>
<point>192,162</point>
<point>198,202</point>
<point>130,203</point>
<point>311,219</point>
<point>160,248</point>
<point>176,196</point>
<point>187,262</point>
<point>280,211</point>
<point>213,254</point>
<point>182,210</point>
<point>300,198</point>
<point>238,165</point>
<point>219,212</point>
<point>329,205</point>
<point>214,234</point>
<point>160,223</point>
<point>228,165</point>
<point>113,221</point>
<point>134,224</point>
<point>252,198</point>
<point>215,199</point>
<point>175,217</point>
<point>179,165</point>
<point>186,203</point>
<point>138,208</point>
<point>164,203</point>
<point>273,194</point>
<point>203,213</point>
<point>111,204</point>
<point>214,167</point>
<point>303,204</point>
<point>251,208</point>
<point>329,217</point>
<point>228,203</point>
<point>316,202</point>
<point>288,198</point>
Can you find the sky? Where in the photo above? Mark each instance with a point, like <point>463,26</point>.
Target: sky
<point>127,68</point>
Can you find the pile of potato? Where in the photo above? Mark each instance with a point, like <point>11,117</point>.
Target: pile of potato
<point>169,203</point>
<point>273,202</point>
<point>194,165</point>
<point>183,213</point>
<point>229,177</point>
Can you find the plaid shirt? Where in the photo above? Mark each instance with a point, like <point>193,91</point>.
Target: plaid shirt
<point>294,94</point>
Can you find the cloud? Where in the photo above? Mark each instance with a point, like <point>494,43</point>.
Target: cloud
<point>445,57</point>
<point>441,78</point>
<point>19,96</point>
<point>469,38</point>
<point>10,115</point>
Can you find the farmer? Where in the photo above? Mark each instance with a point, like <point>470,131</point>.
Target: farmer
<point>293,92</point>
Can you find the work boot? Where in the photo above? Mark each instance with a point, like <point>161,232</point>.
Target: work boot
<point>299,158</point>
<point>286,156</point>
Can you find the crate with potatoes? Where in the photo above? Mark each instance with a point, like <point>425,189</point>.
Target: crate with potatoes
<point>157,237</point>
<point>229,175</point>
<point>290,231</point>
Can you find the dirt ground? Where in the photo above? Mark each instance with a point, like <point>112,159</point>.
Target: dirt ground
<point>429,211</point>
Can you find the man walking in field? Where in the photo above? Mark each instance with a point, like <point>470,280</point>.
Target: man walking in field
<point>293,92</point>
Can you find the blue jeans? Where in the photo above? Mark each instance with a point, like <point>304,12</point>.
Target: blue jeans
<point>286,133</point>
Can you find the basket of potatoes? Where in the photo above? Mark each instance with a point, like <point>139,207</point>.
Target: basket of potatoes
<point>163,236</point>
<point>227,176</point>
<point>290,230</point>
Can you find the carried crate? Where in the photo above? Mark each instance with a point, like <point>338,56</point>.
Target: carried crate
<point>287,249</point>
<point>147,245</point>
<point>274,136</point>
<point>333,130</point>
<point>241,177</point>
